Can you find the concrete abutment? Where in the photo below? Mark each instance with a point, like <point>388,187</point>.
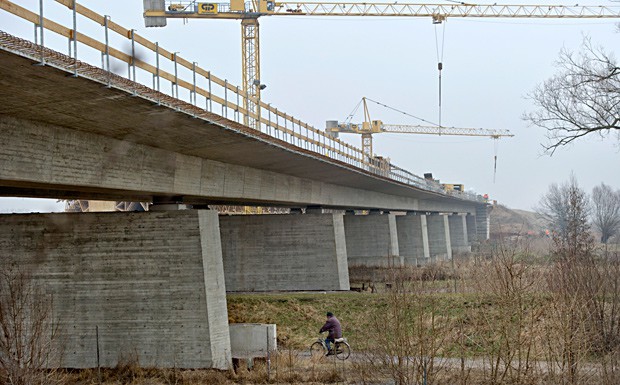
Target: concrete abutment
<point>151,283</point>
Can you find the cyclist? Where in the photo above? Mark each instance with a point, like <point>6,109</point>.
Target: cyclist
<point>332,326</point>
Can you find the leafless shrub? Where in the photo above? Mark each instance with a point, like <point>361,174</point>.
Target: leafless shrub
<point>29,348</point>
<point>586,291</point>
<point>409,332</point>
<point>505,315</point>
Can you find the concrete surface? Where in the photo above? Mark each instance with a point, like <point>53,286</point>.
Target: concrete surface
<point>438,237</point>
<point>153,284</point>
<point>413,239</point>
<point>252,340</point>
<point>483,223</point>
<point>472,235</point>
<point>458,234</point>
<point>372,240</point>
<point>284,252</point>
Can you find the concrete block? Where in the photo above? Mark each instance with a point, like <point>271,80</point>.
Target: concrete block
<point>483,223</point>
<point>372,240</point>
<point>437,240</point>
<point>284,252</point>
<point>413,239</point>
<point>458,234</point>
<point>151,282</point>
<point>471,229</point>
<point>252,340</point>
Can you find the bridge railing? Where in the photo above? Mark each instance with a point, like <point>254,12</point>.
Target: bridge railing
<point>204,94</point>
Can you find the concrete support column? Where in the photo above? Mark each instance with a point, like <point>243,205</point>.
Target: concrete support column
<point>458,233</point>
<point>413,239</point>
<point>465,233</point>
<point>425,242</point>
<point>372,240</point>
<point>483,223</point>
<point>446,227</point>
<point>471,229</point>
<point>438,237</point>
<point>284,252</point>
<point>152,282</point>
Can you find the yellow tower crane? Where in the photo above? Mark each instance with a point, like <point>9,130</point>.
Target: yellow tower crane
<point>369,127</point>
<point>156,12</point>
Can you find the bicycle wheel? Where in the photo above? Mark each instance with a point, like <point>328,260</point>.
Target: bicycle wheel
<point>343,350</point>
<point>317,350</point>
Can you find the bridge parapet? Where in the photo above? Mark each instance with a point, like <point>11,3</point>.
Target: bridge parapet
<point>203,95</point>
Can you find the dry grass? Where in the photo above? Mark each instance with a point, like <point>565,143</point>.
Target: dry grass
<point>287,367</point>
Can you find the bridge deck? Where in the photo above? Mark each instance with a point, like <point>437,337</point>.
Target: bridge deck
<point>50,95</point>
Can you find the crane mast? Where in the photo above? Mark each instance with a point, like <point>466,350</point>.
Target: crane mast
<point>158,11</point>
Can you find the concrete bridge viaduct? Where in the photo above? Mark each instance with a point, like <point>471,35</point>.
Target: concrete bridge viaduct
<point>154,283</point>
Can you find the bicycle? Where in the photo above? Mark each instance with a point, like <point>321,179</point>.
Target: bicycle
<point>340,347</point>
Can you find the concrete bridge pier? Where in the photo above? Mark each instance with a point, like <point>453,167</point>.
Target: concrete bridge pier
<point>440,247</point>
<point>472,236</point>
<point>284,252</point>
<point>372,240</point>
<point>483,222</point>
<point>152,283</point>
<point>413,238</point>
<point>458,233</point>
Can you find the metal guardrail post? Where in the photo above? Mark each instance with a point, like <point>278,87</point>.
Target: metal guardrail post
<point>269,119</point>
<point>225,108</point>
<point>208,101</point>
<point>75,32</point>
<point>313,141</point>
<point>247,104</point>
<point>277,133</point>
<point>195,102</point>
<point>176,78</point>
<point>107,48</point>
<point>237,108</point>
<point>157,71</point>
<point>42,31</point>
<point>133,58</point>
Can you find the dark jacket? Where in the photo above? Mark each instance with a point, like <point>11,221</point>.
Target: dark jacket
<point>333,327</point>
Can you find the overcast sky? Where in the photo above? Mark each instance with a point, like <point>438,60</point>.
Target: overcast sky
<point>318,68</point>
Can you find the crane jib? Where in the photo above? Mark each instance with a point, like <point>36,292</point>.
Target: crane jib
<point>237,9</point>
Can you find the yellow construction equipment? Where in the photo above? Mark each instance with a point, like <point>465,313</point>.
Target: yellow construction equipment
<point>158,11</point>
<point>369,127</point>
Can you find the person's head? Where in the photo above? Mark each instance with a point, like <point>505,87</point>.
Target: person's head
<point>330,314</point>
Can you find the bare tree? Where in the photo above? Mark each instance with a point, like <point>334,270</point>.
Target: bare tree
<point>606,211</point>
<point>28,334</point>
<point>583,98</point>
<point>566,208</point>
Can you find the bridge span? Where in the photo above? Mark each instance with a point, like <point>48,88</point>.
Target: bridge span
<point>154,282</point>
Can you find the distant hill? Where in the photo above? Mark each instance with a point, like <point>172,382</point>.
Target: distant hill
<point>506,221</point>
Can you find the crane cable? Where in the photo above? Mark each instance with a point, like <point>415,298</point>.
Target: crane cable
<point>402,112</point>
<point>352,114</point>
<point>440,59</point>
<point>495,147</point>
